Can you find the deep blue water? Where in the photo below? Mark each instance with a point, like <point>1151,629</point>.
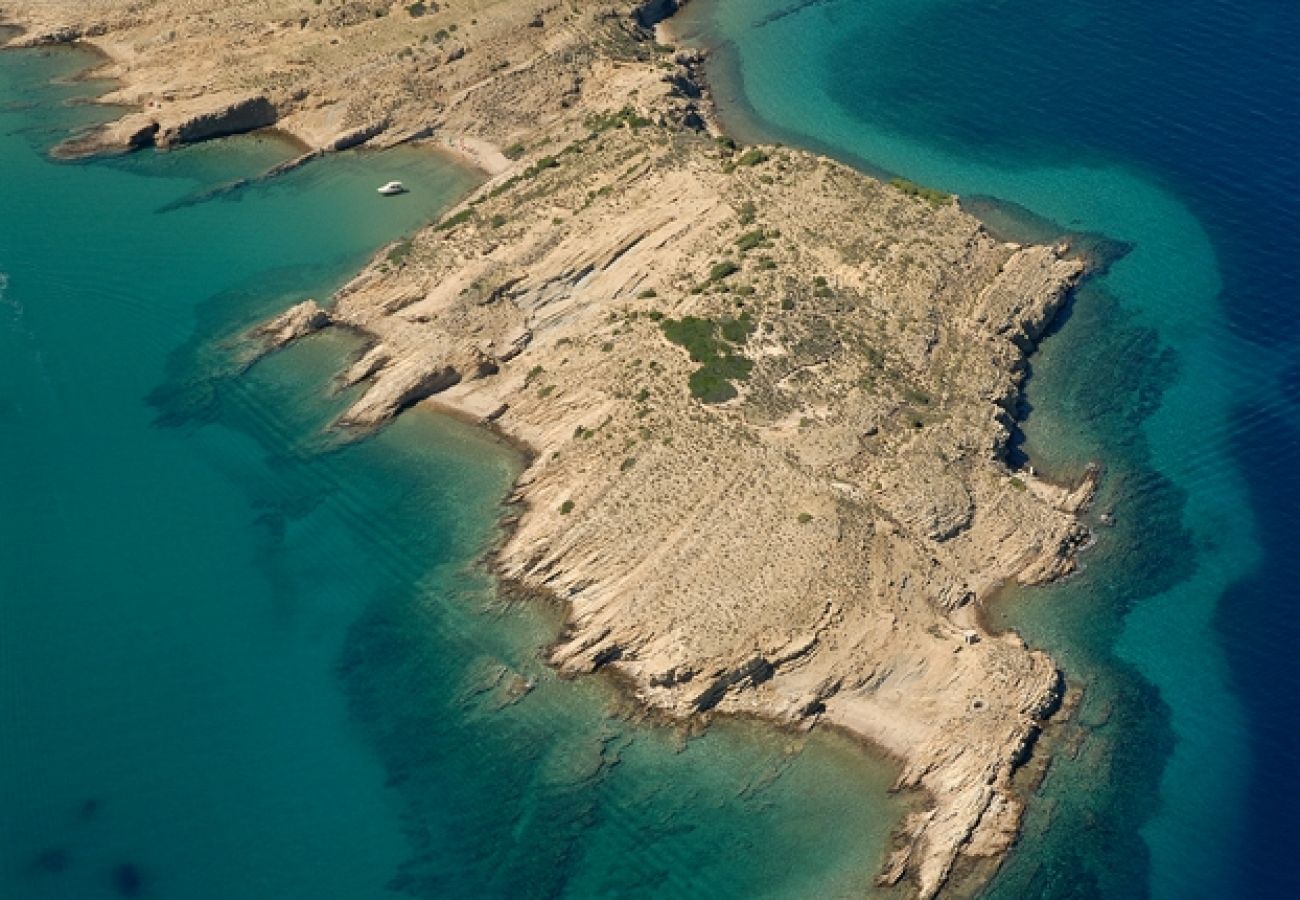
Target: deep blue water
<point>239,659</point>
<point>1173,127</point>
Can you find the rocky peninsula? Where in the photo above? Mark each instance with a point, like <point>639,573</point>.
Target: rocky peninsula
<point>767,399</point>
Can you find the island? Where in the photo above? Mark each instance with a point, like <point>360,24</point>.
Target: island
<point>765,400</point>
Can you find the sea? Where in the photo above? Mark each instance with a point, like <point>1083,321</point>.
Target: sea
<point>242,657</point>
<point>1163,140</point>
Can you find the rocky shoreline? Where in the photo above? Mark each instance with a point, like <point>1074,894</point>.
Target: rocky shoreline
<point>767,398</point>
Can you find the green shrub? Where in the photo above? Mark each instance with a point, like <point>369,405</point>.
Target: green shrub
<point>566,507</point>
<point>724,269</point>
<point>805,518</point>
<point>709,387</point>
<point>400,252</point>
<point>732,365</point>
<point>751,240</point>
<point>451,222</point>
<point>514,151</point>
<point>738,330</point>
<point>912,189</point>
<point>625,117</point>
<point>710,344</point>
<point>537,168</point>
<point>693,333</point>
<point>751,157</point>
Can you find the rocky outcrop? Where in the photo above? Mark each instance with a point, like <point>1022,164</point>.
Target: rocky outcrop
<point>55,35</point>
<point>213,120</point>
<point>397,385</point>
<point>294,323</point>
<point>172,124</point>
<point>65,34</point>
<point>355,137</point>
<point>650,13</point>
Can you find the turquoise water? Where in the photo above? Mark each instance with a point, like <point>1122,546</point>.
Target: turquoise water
<point>1171,129</point>
<point>241,660</point>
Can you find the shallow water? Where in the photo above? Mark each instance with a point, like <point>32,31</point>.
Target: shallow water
<point>239,659</point>
<point>1172,128</point>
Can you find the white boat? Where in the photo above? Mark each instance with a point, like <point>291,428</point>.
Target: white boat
<point>393,187</point>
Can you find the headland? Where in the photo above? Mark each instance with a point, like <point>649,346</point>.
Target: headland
<point>767,400</point>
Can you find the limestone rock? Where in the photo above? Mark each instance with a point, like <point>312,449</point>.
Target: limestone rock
<point>296,322</point>
<point>208,120</point>
<point>172,124</point>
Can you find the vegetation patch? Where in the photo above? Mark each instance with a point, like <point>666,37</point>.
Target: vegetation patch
<point>714,345</point>
<point>452,221</point>
<point>537,168</point>
<point>912,189</point>
<point>751,240</point>
<point>528,174</point>
<point>627,117</point>
<point>724,269</point>
<point>400,252</point>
